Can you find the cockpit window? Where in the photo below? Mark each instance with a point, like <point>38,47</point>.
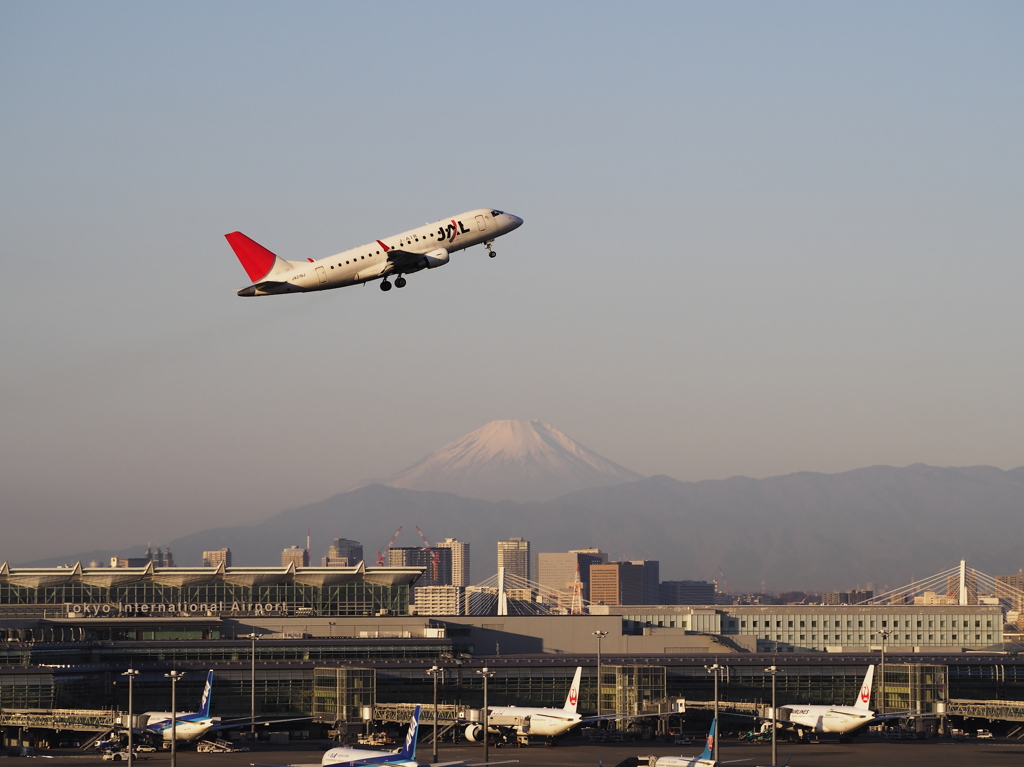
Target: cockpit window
<point>496,213</point>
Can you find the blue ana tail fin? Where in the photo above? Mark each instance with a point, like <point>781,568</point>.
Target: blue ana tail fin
<point>408,751</point>
<point>204,706</point>
<point>709,747</point>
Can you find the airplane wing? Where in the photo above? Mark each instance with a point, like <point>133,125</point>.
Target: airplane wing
<point>403,259</point>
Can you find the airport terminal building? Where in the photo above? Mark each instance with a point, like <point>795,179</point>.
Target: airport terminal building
<point>332,641</point>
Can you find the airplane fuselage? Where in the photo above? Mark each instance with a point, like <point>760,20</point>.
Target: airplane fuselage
<point>682,761</point>
<point>825,719</point>
<point>425,247</point>
<point>357,756</point>
<point>540,722</point>
<point>188,728</point>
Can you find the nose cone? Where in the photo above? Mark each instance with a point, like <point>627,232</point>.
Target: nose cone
<point>514,222</point>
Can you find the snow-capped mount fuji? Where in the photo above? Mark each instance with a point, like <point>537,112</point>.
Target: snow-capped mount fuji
<point>511,461</point>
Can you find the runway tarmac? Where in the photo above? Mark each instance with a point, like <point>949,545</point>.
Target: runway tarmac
<point>864,752</point>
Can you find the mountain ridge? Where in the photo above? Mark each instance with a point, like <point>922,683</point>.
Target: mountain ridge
<point>806,530</point>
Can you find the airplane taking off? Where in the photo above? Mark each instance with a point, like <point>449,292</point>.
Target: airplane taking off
<point>513,721</point>
<point>189,725</point>
<point>427,247</point>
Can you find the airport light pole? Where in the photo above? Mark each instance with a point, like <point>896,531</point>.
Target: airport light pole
<point>131,674</point>
<point>716,670</point>
<point>881,682</point>
<point>435,672</point>
<point>175,676</point>
<point>600,635</point>
<point>486,673</point>
<point>773,670</point>
<point>252,685</point>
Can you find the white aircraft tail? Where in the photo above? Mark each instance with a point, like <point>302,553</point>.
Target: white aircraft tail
<point>573,698</point>
<point>864,696</point>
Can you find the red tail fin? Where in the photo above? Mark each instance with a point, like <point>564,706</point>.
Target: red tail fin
<point>256,260</point>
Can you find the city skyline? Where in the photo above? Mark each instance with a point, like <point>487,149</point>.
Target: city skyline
<point>757,240</point>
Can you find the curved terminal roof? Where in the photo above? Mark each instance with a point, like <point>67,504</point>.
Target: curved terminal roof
<point>107,577</point>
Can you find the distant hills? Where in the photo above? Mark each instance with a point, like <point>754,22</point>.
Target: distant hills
<point>807,531</point>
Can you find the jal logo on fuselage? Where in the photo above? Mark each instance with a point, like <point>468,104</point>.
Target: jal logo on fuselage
<point>451,231</point>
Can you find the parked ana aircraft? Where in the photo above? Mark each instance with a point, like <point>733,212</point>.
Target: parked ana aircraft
<point>832,719</point>
<point>512,721</point>
<point>425,248</point>
<point>189,725</point>
<point>363,757</point>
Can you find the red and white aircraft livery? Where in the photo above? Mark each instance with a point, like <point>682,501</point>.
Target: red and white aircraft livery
<point>427,247</point>
<point>514,722</point>
<point>832,719</point>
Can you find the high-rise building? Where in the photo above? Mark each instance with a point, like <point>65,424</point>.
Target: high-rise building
<point>652,580</point>
<point>617,583</point>
<point>436,563</point>
<point>687,593</point>
<point>514,556</point>
<point>343,552</point>
<point>160,558</point>
<point>295,556</point>
<point>1010,588</point>
<point>460,560</point>
<point>217,558</point>
<point>440,600</point>
<point>559,571</point>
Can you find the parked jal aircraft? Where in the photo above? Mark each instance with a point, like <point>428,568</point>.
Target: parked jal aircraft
<point>830,719</point>
<point>513,721</point>
<point>189,725</point>
<point>427,247</point>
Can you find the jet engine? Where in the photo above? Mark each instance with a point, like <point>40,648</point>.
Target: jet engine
<point>434,258</point>
<point>475,733</point>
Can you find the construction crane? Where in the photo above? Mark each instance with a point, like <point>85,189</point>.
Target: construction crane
<point>434,556</point>
<point>382,554</point>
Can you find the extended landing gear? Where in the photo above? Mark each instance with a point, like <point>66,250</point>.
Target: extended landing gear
<point>490,251</point>
<point>400,282</point>
<point>385,286</point>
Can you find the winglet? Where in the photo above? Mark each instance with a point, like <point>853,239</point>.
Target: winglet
<point>408,752</point>
<point>573,698</point>
<point>204,706</point>
<point>863,701</point>
<point>709,747</point>
<point>384,247</point>
<point>256,260</point>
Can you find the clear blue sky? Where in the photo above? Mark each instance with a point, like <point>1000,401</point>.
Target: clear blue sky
<point>760,238</point>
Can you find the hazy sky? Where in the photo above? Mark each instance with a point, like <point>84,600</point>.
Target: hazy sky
<point>760,238</point>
